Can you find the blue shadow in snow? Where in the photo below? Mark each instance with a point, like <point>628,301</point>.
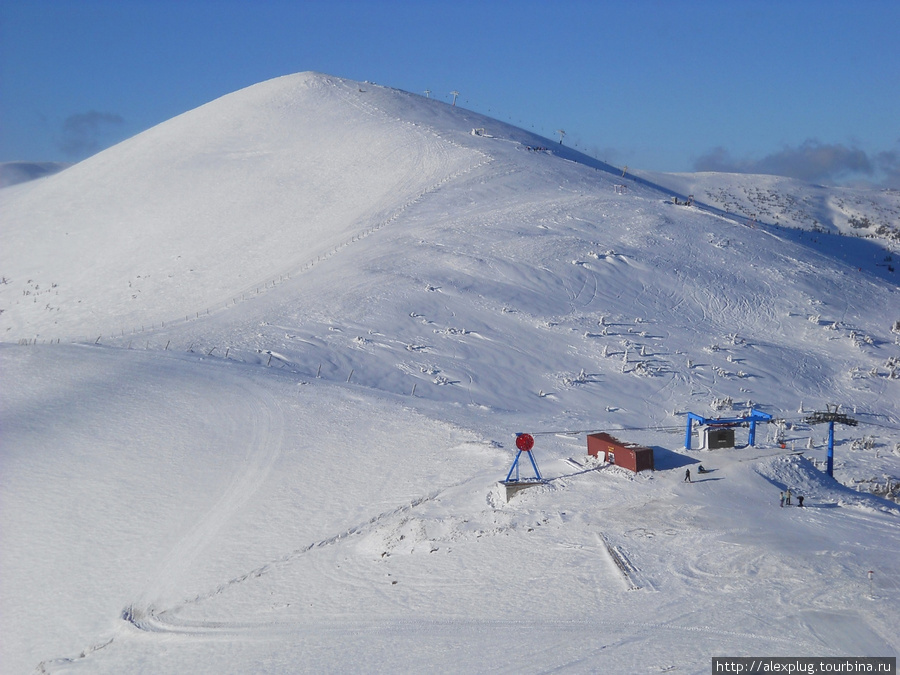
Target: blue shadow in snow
<point>664,459</point>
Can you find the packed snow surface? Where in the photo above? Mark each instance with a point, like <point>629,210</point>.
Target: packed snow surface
<point>263,366</point>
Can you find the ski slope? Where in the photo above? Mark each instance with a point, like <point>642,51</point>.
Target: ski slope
<point>263,366</point>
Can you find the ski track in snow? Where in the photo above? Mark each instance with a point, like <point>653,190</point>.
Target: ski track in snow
<point>267,442</point>
<point>152,619</point>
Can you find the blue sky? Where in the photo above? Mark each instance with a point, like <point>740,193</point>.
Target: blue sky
<point>809,88</point>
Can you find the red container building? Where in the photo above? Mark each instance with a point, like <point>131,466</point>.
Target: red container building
<point>627,455</point>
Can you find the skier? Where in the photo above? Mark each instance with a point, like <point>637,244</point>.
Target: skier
<point>687,476</point>
<point>799,500</point>
<point>787,496</point>
<point>781,499</point>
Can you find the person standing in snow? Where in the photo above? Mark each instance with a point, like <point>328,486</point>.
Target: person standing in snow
<point>787,496</point>
<point>781,499</point>
<point>687,476</point>
<point>799,500</point>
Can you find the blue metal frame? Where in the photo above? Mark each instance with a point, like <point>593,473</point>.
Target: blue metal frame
<point>515,466</point>
<point>831,417</point>
<point>754,417</point>
<point>830,468</point>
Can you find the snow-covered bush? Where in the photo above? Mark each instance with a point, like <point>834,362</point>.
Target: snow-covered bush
<point>726,403</point>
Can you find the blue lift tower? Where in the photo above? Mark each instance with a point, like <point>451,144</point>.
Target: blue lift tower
<point>831,417</point>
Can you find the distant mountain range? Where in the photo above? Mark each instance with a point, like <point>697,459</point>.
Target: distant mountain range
<point>12,173</point>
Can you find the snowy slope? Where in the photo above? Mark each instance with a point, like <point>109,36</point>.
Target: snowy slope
<point>275,175</point>
<point>792,203</point>
<point>308,319</point>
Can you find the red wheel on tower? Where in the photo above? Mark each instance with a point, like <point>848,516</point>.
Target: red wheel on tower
<point>524,442</point>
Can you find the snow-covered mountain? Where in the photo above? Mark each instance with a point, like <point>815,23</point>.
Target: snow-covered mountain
<point>263,366</point>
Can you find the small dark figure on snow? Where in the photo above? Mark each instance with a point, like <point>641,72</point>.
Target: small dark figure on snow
<point>781,499</point>
<point>799,500</point>
<point>687,476</point>
<point>700,469</point>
